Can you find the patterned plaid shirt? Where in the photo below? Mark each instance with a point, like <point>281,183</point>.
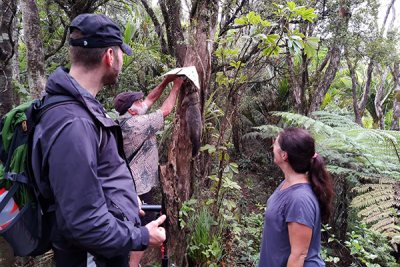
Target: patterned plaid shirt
<point>138,130</point>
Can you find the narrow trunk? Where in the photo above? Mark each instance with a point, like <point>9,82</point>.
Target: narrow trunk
<point>378,103</point>
<point>34,48</point>
<point>15,61</point>
<point>355,98</point>
<point>295,87</point>
<point>363,103</point>
<point>396,98</point>
<point>7,11</point>
<point>235,123</point>
<point>321,88</point>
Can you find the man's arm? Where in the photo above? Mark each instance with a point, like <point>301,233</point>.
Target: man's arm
<point>300,239</point>
<point>169,103</point>
<point>156,92</point>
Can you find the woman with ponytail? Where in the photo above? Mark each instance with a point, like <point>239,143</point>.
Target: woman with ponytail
<point>292,226</point>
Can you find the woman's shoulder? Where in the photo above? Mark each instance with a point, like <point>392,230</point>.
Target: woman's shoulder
<point>302,192</point>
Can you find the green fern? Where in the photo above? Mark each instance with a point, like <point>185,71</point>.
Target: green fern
<point>357,153</point>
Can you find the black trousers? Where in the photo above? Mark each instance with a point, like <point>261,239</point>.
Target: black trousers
<point>78,258</point>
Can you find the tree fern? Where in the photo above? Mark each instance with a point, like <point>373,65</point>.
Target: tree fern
<point>367,154</point>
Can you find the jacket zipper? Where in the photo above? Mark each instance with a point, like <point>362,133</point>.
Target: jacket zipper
<point>118,208</point>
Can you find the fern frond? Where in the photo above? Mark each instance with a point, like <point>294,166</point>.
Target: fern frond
<point>377,216</point>
<point>376,208</point>
<point>367,187</point>
<point>373,197</point>
<point>336,121</point>
<point>265,131</point>
<point>383,223</point>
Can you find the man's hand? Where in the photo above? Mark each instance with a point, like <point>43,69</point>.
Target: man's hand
<point>141,212</point>
<point>177,82</point>
<point>157,234</point>
<point>156,92</point>
<point>170,78</point>
<point>169,103</point>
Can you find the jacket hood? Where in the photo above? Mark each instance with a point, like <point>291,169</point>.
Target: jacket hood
<point>61,83</point>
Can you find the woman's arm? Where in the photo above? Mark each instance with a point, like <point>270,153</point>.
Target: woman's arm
<point>300,238</point>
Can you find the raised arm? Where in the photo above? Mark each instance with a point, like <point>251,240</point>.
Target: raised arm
<point>156,92</point>
<point>169,103</point>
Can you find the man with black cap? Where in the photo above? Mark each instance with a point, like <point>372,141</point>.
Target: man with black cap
<point>140,143</point>
<point>78,158</point>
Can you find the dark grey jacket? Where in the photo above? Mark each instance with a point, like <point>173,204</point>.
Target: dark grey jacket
<point>78,161</point>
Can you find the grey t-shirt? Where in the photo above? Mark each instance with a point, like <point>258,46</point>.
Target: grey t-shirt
<point>296,203</point>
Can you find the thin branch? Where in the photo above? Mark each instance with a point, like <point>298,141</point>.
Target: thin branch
<point>158,28</point>
<point>60,45</point>
<point>387,14</point>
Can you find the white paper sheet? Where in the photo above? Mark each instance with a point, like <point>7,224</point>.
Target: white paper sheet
<point>190,72</point>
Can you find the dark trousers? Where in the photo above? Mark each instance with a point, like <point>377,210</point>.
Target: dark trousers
<point>78,258</point>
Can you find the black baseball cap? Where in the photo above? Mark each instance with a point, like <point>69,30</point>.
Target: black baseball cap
<point>98,31</point>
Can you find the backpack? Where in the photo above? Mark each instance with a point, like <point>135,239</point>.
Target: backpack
<point>29,232</point>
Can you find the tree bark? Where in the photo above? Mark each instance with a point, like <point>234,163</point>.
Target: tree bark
<point>296,89</point>
<point>360,107</point>
<point>396,98</point>
<point>363,103</point>
<point>7,14</point>
<point>7,11</point>
<point>378,97</point>
<point>235,123</point>
<point>355,98</point>
<point>321,88</point>
<point>177,181</point>
<point>34,48</point>
<point>15,65</point>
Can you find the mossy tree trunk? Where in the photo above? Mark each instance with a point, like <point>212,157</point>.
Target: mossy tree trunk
<point>177,180</point>
<point>34,48</point>
<point>7,13</point>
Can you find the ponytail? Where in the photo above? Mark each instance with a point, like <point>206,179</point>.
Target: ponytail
<point>322,187</point>
<point>300,147</point>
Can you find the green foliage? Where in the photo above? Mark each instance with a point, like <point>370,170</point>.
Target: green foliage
<point>326,253</point>
<point>250,239</point>
<point>20,90</point>
<point>355,152</point>
<point>261,30</point>
<point>370,247</point>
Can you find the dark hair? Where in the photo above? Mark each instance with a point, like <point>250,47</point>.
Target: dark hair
<point>300,147</point>
<point>90,58</point>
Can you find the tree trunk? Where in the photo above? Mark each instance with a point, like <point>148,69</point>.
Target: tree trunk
<point>15,64</point>
<point>177,181</point>
<point>396,98</point>
<point>7,14</point>
<point>378,97</point>
<point>7,11</point>
<point>235,123</point>
<point>321,88</point>
<point>296,90</point>
<point>363,103</point>
<point>355,98</point>
<point>360,107</point>
<point>34,48</point>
